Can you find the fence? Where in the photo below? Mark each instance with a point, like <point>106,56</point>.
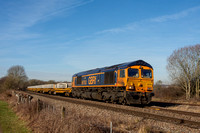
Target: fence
<point>23,98</point>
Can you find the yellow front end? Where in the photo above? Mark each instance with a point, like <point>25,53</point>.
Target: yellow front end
<point>138,82</point>
<point>139,79</point>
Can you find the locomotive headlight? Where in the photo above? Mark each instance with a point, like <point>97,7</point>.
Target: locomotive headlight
<point>130,87</point>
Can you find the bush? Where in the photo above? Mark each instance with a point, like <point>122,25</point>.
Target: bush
<point>170,92</point>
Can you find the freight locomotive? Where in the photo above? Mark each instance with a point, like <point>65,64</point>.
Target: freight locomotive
<point>126,83</point>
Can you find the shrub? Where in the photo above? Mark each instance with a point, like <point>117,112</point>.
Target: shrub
<point>169,92</point>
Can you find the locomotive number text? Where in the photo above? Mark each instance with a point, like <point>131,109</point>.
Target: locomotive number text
<point>92,80</point>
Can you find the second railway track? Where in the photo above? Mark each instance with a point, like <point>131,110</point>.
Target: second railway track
<point>129,111</point>
<point>175,111</point>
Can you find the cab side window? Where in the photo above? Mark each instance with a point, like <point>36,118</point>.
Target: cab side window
<point>122,73</point>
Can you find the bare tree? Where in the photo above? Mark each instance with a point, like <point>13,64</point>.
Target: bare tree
<point>196,59</point>
<point>16,77</point>
<point>183,67</point>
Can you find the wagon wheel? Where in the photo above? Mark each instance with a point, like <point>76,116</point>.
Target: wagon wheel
<point>66,94</point>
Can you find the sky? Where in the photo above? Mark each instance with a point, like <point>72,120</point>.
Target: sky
<point>54,39</point>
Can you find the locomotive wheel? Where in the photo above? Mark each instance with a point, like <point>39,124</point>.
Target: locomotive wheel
<point>81,96</point>
<point>124,102</point>
<point>73,95</point>
<point>103,98</point>
<point>145,100</point>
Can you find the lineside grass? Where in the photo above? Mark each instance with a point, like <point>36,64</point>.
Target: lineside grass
<point>9,122</point>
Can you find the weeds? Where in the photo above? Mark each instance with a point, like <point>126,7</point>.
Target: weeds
<point>9,121</point>
<point>168,92</point>
<point>47,117</point>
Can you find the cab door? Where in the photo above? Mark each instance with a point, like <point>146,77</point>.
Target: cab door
<point>121,77</point>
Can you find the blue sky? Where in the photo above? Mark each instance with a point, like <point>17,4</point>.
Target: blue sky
<point>53,39</point>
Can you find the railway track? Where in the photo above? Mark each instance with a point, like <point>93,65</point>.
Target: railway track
<point>175,111</point>
<point>129,111</point>
<point>164,104</point>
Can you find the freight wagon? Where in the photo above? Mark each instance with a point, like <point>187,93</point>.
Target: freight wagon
<point>59,88</point>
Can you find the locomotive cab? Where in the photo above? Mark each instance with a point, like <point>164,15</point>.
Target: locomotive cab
<point>139,84</point>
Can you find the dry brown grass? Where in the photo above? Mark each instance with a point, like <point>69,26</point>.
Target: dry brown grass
<point>48,119</point>
<point>74,122</point>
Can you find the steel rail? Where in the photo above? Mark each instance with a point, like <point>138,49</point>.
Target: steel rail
<point>175,111</point>
<point>157,103</point>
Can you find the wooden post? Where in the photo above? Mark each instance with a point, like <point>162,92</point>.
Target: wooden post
<point>17,95</point>
<point>38,100</point>
<point>20,98</point>
<point>110,127</point>
<point>29,98</point>
<point>62,113</point>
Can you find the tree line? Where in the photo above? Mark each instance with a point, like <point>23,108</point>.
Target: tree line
<point>17,79</point>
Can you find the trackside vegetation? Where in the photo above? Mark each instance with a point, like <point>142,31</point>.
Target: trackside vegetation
<point>9,122</point>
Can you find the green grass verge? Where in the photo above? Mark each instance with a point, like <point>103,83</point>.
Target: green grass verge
<point>9,122</point>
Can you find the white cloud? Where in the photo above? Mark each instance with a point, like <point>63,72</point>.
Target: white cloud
<point>21,15</point>
<point>125,28</point>
<point>136,25</point>
<point>175,16</point>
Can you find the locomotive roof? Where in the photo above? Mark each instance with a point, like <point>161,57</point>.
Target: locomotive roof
<point>114,67</point>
